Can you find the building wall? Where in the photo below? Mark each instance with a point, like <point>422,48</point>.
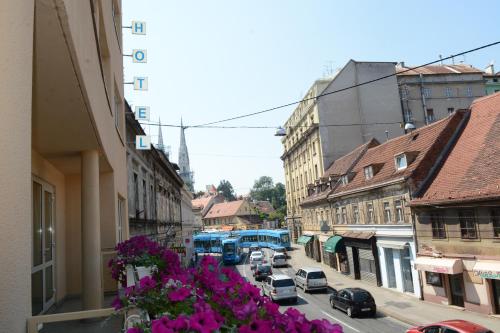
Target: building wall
<point>187,222</point>
<point>460,98</point>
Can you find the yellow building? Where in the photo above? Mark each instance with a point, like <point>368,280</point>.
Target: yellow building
<point>63,172</point>
<point>233,215</point>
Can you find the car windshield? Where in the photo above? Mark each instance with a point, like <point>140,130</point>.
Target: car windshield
<point>316,275</point>
<point>256,254</point>
<point>283,283</point>
<point>262,268</point>
<point>361,296</point>
<point>279,256</point>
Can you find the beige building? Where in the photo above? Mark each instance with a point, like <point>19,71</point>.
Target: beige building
<point>233,215</point>
<point>202,205</point>
<point>433,92</point>
<point>63,176</point>
<point>187,218</point>
<point>320,130</point>
<point>458,218</point>
<point>154,190</point>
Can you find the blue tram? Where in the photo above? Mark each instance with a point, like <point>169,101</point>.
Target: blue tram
<point>212,242</point>
<point>231,250</point>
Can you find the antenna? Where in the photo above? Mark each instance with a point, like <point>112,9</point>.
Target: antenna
<point>441,59</point>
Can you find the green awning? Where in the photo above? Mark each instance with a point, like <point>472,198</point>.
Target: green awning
<point>303,240</point>
<point>334,244</point>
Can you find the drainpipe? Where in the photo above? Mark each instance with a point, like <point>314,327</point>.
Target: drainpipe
<point>415,241</point>
<point>424,106</point>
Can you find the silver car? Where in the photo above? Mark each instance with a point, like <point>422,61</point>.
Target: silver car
<point>280,287</point>
<point>278,260</point>
<point>311,278</point>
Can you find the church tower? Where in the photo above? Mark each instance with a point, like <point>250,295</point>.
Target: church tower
<point>185,171</point>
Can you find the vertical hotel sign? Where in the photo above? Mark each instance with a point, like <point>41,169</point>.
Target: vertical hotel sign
<point>140,83</point>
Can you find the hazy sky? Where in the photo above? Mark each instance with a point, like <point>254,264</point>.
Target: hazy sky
<point>210,60</point>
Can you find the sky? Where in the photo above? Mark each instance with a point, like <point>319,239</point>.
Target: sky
<point>212,60</point>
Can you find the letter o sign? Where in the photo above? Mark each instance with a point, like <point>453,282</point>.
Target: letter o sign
<point>139,56</point>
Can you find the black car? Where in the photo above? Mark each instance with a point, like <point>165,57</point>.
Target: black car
<point>354,301</point>
<point>262,271</point>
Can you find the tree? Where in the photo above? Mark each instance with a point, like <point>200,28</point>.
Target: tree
<point>226,189</point>
<point>199,194</point>
<point>265,189</point>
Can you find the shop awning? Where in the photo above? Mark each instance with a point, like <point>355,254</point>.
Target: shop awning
<point>439,265</point>
<point>303,240</point>
<point>392,244</point>
<point>487,269</point>
<point>334,244</point>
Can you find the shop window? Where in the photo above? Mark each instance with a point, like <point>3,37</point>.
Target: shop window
<point>467,224</point>
<point>495,220</point>
<point>438,226</point>
<point>367,265</point>
<point>434,279</point>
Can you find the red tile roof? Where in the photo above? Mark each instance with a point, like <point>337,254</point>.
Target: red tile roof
<point>472,169</point>
<point>201,202</point>
<point>264,207</point>
<point>340,167</point>
<point>438,69</point>
<point>224,209</point>
<point>424,145</point>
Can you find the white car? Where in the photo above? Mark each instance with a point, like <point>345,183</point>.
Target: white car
<point>256,257</point>
<point>280,287</point>
<point>311,278</point>
<point>279,260</point>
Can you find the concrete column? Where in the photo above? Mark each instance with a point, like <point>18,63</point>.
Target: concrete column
<point>91,232</point>
<point>16,75</point>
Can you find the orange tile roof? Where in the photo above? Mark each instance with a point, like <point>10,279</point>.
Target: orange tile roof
<point>438,69</point>
<point>224,209</point>
<point>201,202</point>
<point>472,169</point>
<point>424,144</point>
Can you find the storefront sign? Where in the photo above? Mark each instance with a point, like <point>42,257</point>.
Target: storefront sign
<point>142,113</point>
<point>487,274</point>
<point>178,249</point>
<point>142,142</point>
<point>140,56</point>
<point>487,269</point>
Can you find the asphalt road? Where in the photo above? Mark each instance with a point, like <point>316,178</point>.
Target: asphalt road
<point>315,305</point>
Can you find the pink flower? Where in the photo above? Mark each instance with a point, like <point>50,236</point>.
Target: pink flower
<point>117,303</point>
<point>203,322</point>
<point>179,294</point>
<point>147,283</point>
<point>260,326</point>
<point>134,330</point>
<point>161,326</point>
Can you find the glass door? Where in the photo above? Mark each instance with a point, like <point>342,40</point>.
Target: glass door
<point>496,295</point>
<point>406,270</point>
<point>42,271</point>
<point>457,289</point>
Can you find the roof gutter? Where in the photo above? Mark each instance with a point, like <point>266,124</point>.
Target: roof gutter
<point>366,188</point>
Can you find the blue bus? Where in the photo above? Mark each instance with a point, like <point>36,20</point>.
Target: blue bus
<point>209,242</point>
<point>231,250</point>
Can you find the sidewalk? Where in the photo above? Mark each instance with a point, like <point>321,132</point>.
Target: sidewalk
<point>394,304</point>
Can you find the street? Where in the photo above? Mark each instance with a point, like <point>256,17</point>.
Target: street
<point>315,305</point>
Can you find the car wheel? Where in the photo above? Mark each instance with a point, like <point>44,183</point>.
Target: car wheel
<point>373,314</point>
<point>295,300</point>
<point>349,312</point>
<point>332,303</point>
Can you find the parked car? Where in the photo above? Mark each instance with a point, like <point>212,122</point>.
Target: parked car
<point>450,326</point>
<point>279,260</point>
<point>256,257</point>
<point>262,271</point>
<point>280,249</point>
<point>311,278</point>
<point>354,301</point>
<point>280,287</point>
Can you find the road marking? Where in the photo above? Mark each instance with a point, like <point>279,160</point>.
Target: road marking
<point>340,321</point>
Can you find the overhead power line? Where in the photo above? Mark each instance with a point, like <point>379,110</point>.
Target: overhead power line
<point>273,127</point>
<point>346,88</point>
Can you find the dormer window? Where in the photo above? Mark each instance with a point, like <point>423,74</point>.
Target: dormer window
<point>401,162</point>
<point>344,179</point>
<point>368,172</point>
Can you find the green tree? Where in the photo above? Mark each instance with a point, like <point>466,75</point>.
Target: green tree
<point>226,189</point>
<point>265,189</point>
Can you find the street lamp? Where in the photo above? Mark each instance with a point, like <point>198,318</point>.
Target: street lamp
<point>280,132</point>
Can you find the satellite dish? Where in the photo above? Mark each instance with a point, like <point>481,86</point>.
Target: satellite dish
<point>409,127</point>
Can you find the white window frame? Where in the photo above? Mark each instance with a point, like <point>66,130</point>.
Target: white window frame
<point>368,170</point>
<point>401,157</point>
<point>344,179</point>
<point>400,218</point>
<point>387,212</point>
<point>448,92</point>
<point>355,213</point>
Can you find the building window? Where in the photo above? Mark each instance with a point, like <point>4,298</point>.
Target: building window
<point>430,115</point>
<point>451,110</point>
<point>370,213</point>
<point>337,214</point>
<point>316,171</point>
<point>427,92</point>
<point>469,92</point>
<point>355,213</point>
<point>409,116</point>
<point>495,220</point>
<point>448,92</point>
<point>368,172</point>
<point>438,226</point>
<point>313,146</point>
<point>399,211</point>
<point>117,21</point>
<point>467,224</point>
<point>387,213</point>
<point>344,215</point>
<point>121,218</point>
<point>433,279</point>
<point>401,162</point>
<point>344,179</point>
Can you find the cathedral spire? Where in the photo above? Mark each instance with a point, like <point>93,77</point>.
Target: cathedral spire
<point>161,146</point>
<point>185,171</point>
